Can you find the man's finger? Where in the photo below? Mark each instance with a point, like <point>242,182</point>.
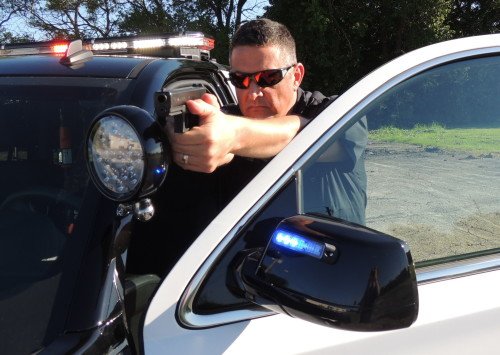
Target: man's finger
<point>192,137</point>
<point>227,159</point>
<point>193,163</point>
<point>200,108</point>
<point>211,99</point>
<point>196,150</point>
<point>185,160</point>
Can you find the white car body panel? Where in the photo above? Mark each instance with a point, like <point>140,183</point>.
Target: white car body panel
<point>457,316</point>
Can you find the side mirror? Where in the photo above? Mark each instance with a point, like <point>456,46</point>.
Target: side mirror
<point>333,273</point>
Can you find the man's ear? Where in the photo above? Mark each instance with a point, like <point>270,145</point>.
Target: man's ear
<point>298,73</point>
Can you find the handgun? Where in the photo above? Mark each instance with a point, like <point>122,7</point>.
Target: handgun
<point>172,103</point>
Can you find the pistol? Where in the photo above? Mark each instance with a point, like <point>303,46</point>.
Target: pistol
<point>172,103</point>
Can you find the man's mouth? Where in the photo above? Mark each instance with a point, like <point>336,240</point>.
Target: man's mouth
<point>257,107</point>
<point>258,112</point>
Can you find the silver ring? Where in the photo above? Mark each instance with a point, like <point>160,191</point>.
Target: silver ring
<point>185,158</point>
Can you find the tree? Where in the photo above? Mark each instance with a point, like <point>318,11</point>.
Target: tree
<point>473,17</point>
<point>340,41</point>
<point>147,17</point>
<point>219,18</point>
<point>74,18</point>
<point>8,10</point>
<point>104,18</point>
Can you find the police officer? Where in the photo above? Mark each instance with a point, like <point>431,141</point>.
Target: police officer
<point>267,77</point>
<point>271,109</point>
<point>216,159</point>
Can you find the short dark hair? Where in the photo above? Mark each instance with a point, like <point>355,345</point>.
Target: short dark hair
<point>264,32</point>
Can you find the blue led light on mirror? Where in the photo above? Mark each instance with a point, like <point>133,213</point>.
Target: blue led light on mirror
<point>298,243</point>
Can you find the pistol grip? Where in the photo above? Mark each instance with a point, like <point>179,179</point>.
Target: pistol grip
<point>185,121</point>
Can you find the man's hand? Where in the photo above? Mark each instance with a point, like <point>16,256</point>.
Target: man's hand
<point>219,136</point>
<point>207,146</point>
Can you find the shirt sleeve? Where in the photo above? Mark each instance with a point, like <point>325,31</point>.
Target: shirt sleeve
<point>354,141</point>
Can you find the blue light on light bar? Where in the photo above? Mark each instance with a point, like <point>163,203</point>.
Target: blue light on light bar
<point>298,243</point>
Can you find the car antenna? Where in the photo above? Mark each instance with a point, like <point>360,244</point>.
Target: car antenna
<point>76,55</point>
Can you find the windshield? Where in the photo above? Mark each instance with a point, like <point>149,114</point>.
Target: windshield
<point>43,182</point>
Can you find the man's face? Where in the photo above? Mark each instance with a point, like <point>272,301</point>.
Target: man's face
<point>257,102</point>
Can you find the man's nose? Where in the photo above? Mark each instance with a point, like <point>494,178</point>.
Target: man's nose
<point>254,90</point>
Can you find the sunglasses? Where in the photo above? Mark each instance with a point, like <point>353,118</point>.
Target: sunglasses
<point>264,78</point>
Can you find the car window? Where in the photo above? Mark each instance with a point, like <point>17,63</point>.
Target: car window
<point>43,186</point>
<point>421,163</point>
<point>215,295</point>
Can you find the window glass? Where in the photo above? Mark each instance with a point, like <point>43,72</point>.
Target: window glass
<point>216,293</point>
<point>421,162</point>
<point>43,183</point>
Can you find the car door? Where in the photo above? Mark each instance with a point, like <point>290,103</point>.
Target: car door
<point>426,130</point>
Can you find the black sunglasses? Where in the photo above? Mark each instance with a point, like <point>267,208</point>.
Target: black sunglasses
<point>264,78</point>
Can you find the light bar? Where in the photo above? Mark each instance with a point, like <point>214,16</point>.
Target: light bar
<point>192,41</point>
<point>180,43</point>
<point>298,243</point>
<point>60,48</point>
<point>191,45</point>
<point>104,46</point>
<point>51,47</point>
<point>149,43</point>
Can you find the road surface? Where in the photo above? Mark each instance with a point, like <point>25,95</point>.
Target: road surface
<point>441,203</point>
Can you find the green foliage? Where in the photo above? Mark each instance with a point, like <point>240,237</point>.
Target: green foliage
<point>477,141</point>
<point>8,37</point>
<point>215,18</point>
<point>472,17</point>
<point>147,18</point>
<point>341,41</point>
<point>461,94</point>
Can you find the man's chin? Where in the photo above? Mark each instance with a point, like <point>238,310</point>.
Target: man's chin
<point>258,112</point>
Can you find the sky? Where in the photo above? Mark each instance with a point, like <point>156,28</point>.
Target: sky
<point>18,26</point>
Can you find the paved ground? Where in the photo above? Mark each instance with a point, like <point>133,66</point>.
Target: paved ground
<point>441,203</point>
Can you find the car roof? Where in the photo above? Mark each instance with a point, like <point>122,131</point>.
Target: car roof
<point>50,65</point>
<point>99,66</point>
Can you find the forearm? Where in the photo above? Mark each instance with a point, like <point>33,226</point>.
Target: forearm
<point>221,136</point>
<point>264,138</point>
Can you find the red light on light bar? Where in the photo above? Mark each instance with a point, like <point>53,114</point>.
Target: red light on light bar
<point>60,48</point>
<point>208,44</point>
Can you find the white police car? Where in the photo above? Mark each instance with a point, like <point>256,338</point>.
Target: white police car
<point>76,265</point>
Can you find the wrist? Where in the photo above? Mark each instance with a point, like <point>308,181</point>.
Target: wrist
<point>236,128</point>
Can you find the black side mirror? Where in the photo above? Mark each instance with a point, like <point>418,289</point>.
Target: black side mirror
<point>333,273</point>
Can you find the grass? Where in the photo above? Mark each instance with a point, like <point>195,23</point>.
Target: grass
<point>478,141</point>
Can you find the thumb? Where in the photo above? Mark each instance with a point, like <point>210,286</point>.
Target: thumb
<point>203,109</point>
<point>211,99</point>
